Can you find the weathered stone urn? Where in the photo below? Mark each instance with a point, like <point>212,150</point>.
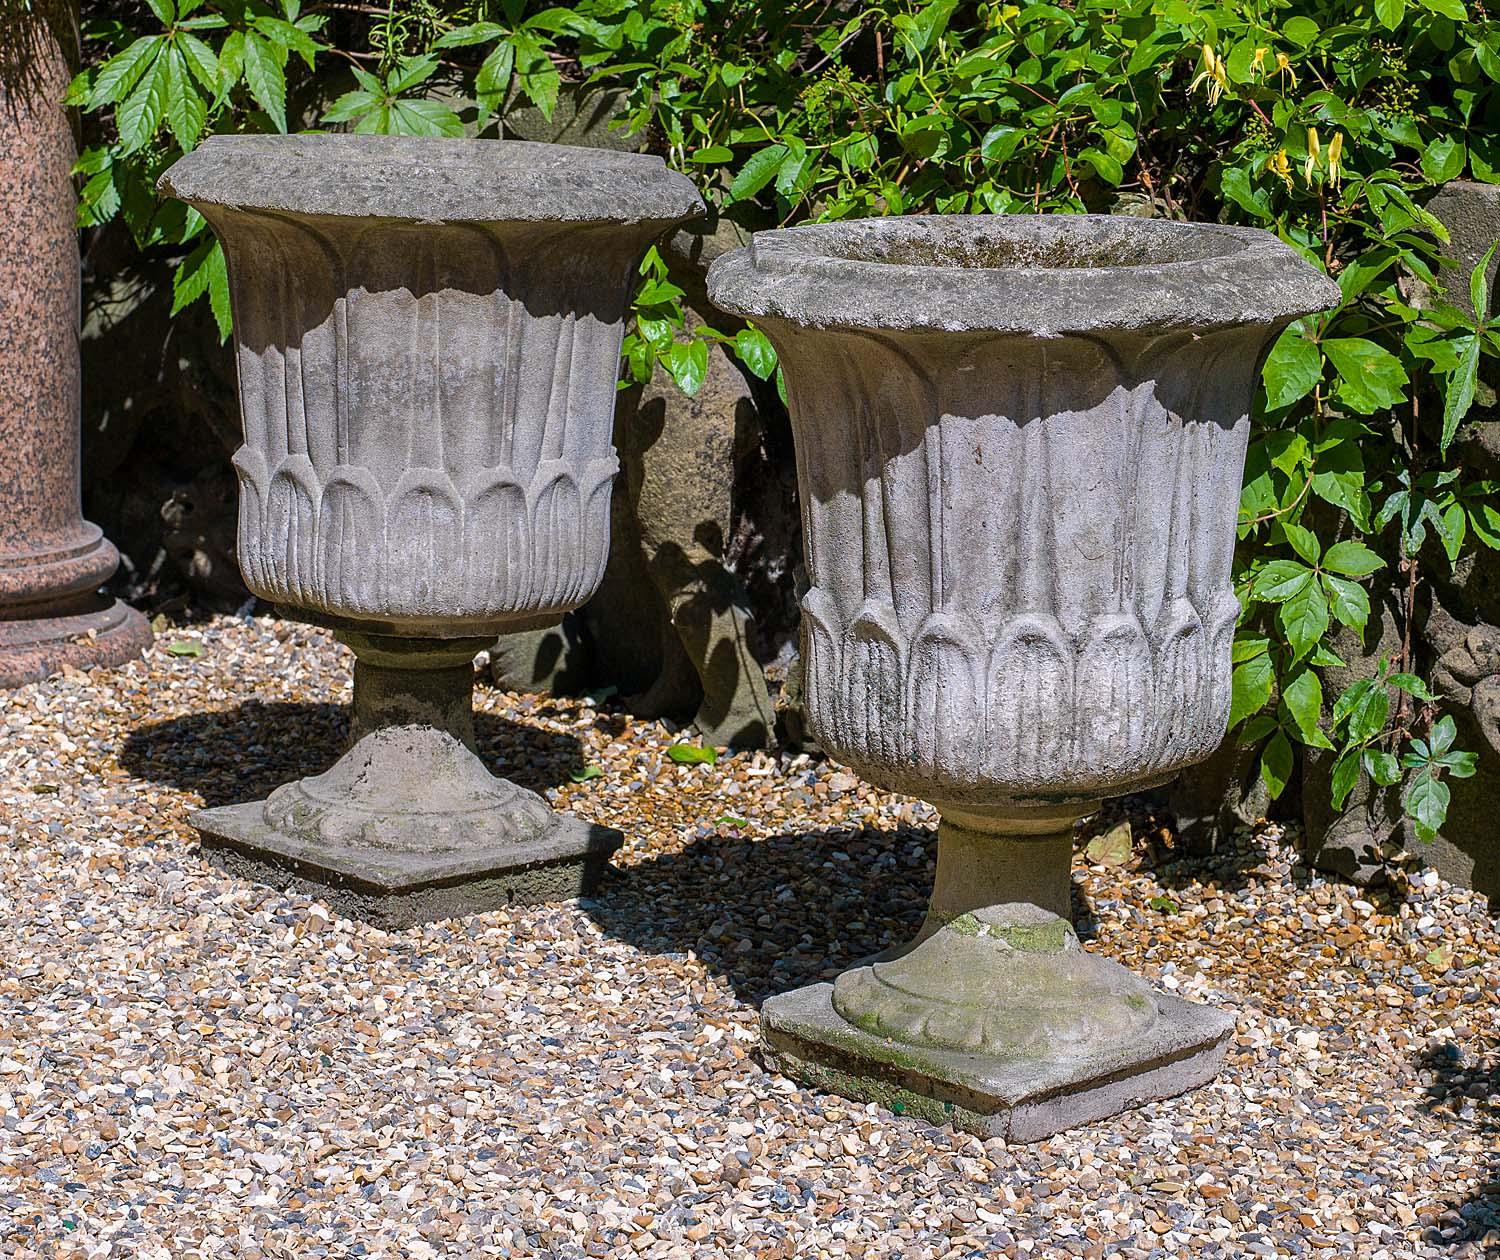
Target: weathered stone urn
<point>428,334</point>
<point>1020,443</point>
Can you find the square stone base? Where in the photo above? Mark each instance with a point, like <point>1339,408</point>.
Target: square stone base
<point>805,1038</point>
<point>393,889</point>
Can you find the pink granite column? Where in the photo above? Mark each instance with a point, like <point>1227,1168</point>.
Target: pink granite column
<point>52,561</point>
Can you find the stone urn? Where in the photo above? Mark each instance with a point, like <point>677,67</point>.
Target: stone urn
<point>52,561</point>
<point>1020,442</point>
<point>428,335</point>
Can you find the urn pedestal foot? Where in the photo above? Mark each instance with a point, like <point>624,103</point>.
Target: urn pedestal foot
<point>409,826</point>
<point>995,1019</point>
<point>999,1024</point>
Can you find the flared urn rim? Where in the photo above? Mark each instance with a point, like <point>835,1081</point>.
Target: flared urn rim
<point>433,179</point>
<point>1029,275</point>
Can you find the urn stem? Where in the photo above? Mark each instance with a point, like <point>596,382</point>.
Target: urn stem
<point>413,682</point>
<point>989,859</point>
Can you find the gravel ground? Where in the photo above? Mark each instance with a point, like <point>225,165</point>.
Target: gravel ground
<point>194,1067</point>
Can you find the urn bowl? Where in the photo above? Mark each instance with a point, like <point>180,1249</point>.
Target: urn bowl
<point>1020,445</point>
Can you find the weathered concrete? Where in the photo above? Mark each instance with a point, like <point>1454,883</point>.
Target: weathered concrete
<point>427,332</point>
<point>52,561</point>
<point>1020,444</point>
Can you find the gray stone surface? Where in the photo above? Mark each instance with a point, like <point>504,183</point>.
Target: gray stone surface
<point>804,1037</point>
<point>432,180</point>
<point>427,334</point>
<point>1020,444</point>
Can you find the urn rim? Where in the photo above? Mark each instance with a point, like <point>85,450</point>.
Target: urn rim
<point>1024,274</point>
<point>432,179</point>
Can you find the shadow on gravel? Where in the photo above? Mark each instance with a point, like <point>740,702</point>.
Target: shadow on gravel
<point>241,754</point>
<point>1465,1092</point>
<point>777,913</point>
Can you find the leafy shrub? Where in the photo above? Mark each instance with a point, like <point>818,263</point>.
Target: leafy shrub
<point>1327,123</point>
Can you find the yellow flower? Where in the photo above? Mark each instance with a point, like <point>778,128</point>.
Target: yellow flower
<point>1211,74</point>
<point>1335,153</point>
<point>1279,165</point>
<point>1313,151</point>
<point>1258,63</point>
<point>1284,68</point>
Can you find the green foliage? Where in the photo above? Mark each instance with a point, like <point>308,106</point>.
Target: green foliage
<point>1328,123</point>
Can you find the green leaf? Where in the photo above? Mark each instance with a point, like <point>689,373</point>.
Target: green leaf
<point>687,361</point>
<point>795,172</point>
<point>1382,767</point>
<point>1301,31</point>
<point>692,755</point>
<point>1281,580</point>
<point>493,79</point>
<point>1349,601</point>
<point>1459,390</point>
<point>141,114</point>
<point>231,62</point>
<point>185,647</point>
<point>587,773</point>
<point>266,79</point>
<point>1426,804</point>
<point>165,10</point>
<point>1479,298</point>
<point>1352,558</point>
<point>1304,542</point>
<point>1276,764</point>
<point>1443,159</point>
<point>289,37</point>
<point>201,61</point>
<point>712,154</point>
<point>1447,8</point>
<point>411,71</point>
<point>425,118</point>
<point>1364,706</point>
<point>1293,369</point>
<point>1390,13</point>
<point>755,352</point>
<point>1251,691</point>
<point>186,110</point>
<point>1304,618</point>
<point>1303,698</point>
<point>123,71</point>
<point>999,143</point>
<point>1444,732</point>
<point>1345,776</point>
<point>478,33</point>
<point>1235,183</point>
<point>1371,378</point>
<point>757,172</point>
<point>1108,168</point>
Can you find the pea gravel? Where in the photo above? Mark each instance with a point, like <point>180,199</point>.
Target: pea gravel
<point>195,1067</point>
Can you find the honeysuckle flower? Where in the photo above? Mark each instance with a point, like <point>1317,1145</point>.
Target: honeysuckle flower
<point>1284,68</point>
<point>1258,63</point>
<point>1335,154</point>
<point>1314,150</point>
<point>1211,74</point>
<point>1280,165</point>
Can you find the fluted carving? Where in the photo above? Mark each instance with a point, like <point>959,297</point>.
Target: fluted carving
<point>1020,554</point>
<point>427,413</point>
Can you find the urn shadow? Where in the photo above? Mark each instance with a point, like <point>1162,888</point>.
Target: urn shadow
<point>1453,1080</point>
<point>775,913</point>
<point>244,753</point>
